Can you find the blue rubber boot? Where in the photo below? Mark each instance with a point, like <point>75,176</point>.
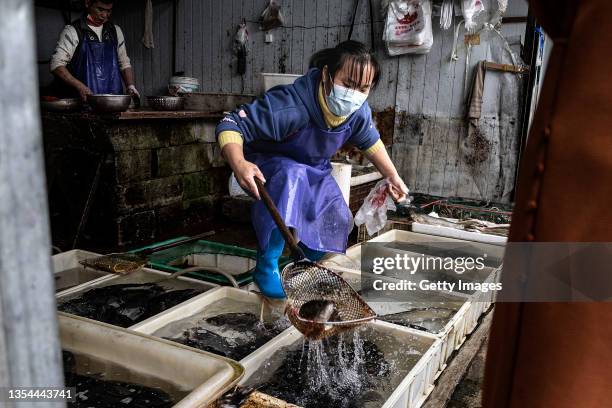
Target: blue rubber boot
<point>266,274</point>
<point>311,254</point>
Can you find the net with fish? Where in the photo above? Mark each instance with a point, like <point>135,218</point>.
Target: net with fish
<point>320,302</point>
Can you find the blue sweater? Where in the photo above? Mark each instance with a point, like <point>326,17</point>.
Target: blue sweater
<point>286,109</point>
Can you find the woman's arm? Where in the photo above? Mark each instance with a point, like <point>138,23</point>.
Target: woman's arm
<point>380,158</point>
<point>244,170</point>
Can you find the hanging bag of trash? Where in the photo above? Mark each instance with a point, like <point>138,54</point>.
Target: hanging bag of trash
<point>470,10</point>
<point>373,211</point>
<point>240,46</point>
<point>272,17</point>
<point>408,28</point>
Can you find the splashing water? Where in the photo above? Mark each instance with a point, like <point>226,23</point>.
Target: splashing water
<point>358,369</point>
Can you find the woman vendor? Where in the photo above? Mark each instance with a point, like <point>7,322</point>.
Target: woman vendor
<point>286,139</point>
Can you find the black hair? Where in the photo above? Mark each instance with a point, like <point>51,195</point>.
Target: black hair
<point>353,52</point>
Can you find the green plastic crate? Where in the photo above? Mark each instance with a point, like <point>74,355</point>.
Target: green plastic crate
<point>170,259</point>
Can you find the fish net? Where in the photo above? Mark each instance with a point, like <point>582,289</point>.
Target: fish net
<point>120,263</point>
<point>306,282</point>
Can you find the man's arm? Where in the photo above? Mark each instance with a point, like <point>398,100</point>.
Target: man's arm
<point>62,73</point>
<point>127,72</point>
<point>64,51</point>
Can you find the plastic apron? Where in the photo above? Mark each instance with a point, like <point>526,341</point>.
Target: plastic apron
<point>298,178</point>
<point>97,64</point>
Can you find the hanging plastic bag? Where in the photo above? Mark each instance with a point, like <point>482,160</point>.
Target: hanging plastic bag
<point>373,211</point>
<point>408,28</point>
<point>471,9</point>
<point>272,17</point>
<point>240,47</point>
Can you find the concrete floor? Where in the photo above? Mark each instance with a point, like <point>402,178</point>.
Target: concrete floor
<point>468,393</point>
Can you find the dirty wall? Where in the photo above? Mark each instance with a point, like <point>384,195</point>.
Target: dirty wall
<point>426,92</point>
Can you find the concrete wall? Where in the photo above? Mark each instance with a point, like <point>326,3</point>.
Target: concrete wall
<point>426,91</point>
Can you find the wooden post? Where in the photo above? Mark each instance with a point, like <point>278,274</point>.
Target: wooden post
<point>29,343</point>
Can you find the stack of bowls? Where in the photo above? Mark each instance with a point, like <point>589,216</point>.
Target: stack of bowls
<point>179,85</point>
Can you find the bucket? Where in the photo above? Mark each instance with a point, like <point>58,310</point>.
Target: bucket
<point>341,172</point>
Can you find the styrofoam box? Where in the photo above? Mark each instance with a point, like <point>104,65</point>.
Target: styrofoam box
<point>69,272</point>
<point>144,275</point>
<point>412,391</point>
<point>459,234</point>
<point>198,305</point>
<point>204,375</point>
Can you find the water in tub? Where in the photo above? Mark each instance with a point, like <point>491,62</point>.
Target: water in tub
<point>104,384</point>
<point>354,369</point>
<point>426,311</point>
<point>227,327</point>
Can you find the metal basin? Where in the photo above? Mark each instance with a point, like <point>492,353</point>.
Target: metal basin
<point>109,103</point>
<point>166,103</point>
<point>62,105</point>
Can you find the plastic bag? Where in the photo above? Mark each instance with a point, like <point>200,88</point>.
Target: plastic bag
<point>408,28</point>
<point>471,9</point>
<point>272,17</point>
<point>373,211</point>
<point>235,189</point>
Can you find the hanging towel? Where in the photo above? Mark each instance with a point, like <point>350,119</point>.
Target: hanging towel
<point>147,38</point>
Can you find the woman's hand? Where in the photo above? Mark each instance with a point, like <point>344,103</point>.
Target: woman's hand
<point>397,188</point>
<point>245,173</point>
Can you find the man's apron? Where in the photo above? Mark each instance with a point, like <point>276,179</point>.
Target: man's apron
<point>298,178</point>
<point>96,64</point>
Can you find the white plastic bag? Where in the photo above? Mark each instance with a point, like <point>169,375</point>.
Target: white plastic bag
<point>408,28</point>
<point>373,211</point>
<point>470,9</point>
<point>234,188</point>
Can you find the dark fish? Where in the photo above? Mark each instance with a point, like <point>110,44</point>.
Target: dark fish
<point>211,338</point>
<point>94,391</point>
<point>127,304</point>
<point>320,311</point>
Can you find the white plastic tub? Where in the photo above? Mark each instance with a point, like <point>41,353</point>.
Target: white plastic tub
<point>475,303</point>
<point>204,376</point>
<point>144,275</point>
<point>270,80</point>
<point>415,382</point>
<point>454,332</point>
<point>68,271</point>
<point>341,172</point>
<point>174,321</point>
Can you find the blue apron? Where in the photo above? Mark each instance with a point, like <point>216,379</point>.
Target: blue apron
<point>96,64</point>
<point>298,178</point>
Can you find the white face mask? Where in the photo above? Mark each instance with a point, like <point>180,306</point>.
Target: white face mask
<point>344,101</point>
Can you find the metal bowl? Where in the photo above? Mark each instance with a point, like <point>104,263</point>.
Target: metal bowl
<point>109,103</point>
<point>166,103</point>
<point>62,105</point>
